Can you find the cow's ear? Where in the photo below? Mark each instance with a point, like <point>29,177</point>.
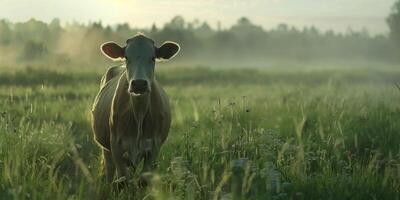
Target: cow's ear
<point>113,50</point>
<point>167,50</point>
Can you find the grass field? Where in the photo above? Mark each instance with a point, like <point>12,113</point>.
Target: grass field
<point>236,134</point>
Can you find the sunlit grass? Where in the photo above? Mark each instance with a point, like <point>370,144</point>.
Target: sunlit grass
<point>251,134</point>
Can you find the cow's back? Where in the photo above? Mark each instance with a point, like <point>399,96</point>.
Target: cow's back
<point>102,106</point>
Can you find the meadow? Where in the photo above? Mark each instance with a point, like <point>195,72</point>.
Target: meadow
<point>272,133</point>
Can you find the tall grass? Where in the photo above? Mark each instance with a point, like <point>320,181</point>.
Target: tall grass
<point>236,134</point>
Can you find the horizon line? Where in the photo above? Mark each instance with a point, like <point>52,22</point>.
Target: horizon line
<point>65,22</point>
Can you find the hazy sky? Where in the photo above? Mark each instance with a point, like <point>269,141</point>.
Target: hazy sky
<point>325,14</point>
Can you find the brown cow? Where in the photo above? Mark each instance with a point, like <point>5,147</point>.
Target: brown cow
<point>131,113</point>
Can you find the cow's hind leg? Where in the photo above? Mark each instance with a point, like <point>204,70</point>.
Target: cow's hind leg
<point>108,165</point>
<point>121,163</point>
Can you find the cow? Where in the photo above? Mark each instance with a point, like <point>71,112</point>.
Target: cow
<point>131,114</point>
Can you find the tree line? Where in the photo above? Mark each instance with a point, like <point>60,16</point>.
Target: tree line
<point>36,41</point>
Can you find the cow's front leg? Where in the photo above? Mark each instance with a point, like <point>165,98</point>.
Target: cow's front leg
<point>151,151</point>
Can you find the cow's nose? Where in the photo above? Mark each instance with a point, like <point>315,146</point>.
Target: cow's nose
<point>138,86</point>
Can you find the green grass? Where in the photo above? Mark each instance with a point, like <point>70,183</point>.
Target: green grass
<point>251,134</point>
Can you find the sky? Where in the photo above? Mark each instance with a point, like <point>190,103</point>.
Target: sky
<point>338,15</point>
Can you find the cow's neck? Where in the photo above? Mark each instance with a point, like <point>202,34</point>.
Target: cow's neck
<point>141,108</point>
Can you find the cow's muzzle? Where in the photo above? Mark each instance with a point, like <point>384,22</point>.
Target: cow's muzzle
<point>138,87</point>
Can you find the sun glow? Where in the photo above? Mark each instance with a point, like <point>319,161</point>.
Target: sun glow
<point>337,15</point>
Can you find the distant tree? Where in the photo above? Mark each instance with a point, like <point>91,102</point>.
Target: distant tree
<point>283,27</point>
<point>193,25</point>
<point>330,33</point>
<point>33,50</point>
<point>177,30</point>
<point>219,26</point>
<point>32,30</point>
<point>123,27</point>
<point>97,25</point>
<point>313,31</point>
<point>177,23</point>
<point>393,21</point>
<point>55,31</point>
<point>5,32</point>
<point>123,31</point>
<point>154,28</point>
<point>55,24</point>
<point>249,36</point>
<point>204,30</point>
<point>245,26</point>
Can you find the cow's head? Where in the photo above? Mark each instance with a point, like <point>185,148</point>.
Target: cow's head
<point>140,54</point>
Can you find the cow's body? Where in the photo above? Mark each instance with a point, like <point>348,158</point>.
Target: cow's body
<point>116,128</point>
<point>131,113</point>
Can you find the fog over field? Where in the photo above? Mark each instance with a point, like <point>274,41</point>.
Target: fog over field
<point>244,44</point>
<point>256,33</point>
